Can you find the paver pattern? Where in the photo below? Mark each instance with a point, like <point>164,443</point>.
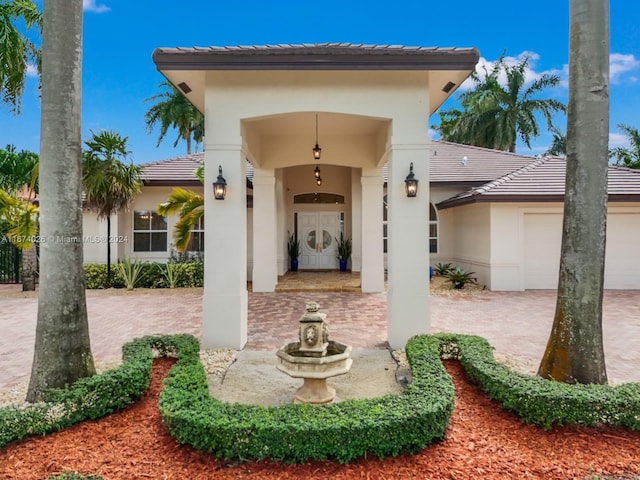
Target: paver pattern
<point>515,323</point>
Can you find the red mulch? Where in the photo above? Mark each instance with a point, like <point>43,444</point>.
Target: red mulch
<point>483,442</point>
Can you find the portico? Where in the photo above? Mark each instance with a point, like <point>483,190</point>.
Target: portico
<point>261,104</point>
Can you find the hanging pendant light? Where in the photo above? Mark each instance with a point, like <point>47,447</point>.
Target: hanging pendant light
<point>317,151</point>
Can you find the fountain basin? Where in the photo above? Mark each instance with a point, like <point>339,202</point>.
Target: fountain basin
<point>298,364</point>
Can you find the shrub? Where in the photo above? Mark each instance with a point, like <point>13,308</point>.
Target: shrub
<point>75,476</point>
<point>459,278</point>
<point>442,268</point>
<point>151,275</point>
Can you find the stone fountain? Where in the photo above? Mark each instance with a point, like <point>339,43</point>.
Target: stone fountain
<point>314,358</point>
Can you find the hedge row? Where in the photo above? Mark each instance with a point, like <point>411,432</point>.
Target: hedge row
<point>188,274</point>
<point>96,396</point>
<point>382,426</point>
<point>543,402</point>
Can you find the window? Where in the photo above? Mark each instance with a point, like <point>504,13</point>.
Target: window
<point>433,229</point>
<point>320,197</point>
<point>149,232</point>
<point>196,243</point>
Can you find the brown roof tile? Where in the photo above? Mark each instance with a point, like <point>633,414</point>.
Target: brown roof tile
<point>321,56</point>
<point>544,180</point>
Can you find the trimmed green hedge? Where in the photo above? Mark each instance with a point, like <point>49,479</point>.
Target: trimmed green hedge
<point>543,402</point>
<point>189,274</point>
<point>382,426</point>
<point>96,396</point>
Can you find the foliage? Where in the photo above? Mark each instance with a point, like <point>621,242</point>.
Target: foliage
<point>382,426</point>
<point>109,184</point>
<point>96,396</point>
<point>190,208</point>
<point>130,272</point>
<point>442,268</point>
<point>18,169</point>
<point>22,219</point>
<point>495,115</point>
<point>17,52</point>
<point>173,110</point>
<point>558,146</point>
<point>344,247</point>
<point>293,247</point>
<point>459,278</point>
<point>628,157</point>
<point>170,272</point>
<point>186,275</point>
<point>75,476</point>
<point>539,401</point>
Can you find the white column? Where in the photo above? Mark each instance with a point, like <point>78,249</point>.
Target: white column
<point>372,273</point>
<point>265,248</point>
<point>281,225</point>
<point>408,303</point>
<point>225,300</point>
<point>356,220</point>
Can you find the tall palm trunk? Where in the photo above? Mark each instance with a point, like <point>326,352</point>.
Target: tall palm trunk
<point>108,285</point>
<point>29,268</point>
<point>575,352</point>
<point>62,348</point>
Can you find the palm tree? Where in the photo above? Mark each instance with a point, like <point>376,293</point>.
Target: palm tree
<point>628,157</point>
<point>173,110</point>
<point>17,50</point>
<point>19,179</point>
<point>558,145</point>
<point>495,116</point>
<point>189,206</point>
<point>62,352</point>
<point>575,352</point>
<point>109,184</point>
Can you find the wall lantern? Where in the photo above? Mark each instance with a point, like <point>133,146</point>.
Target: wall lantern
<point>411,183</point>
<point>317,150</point>
<point>220,186</point>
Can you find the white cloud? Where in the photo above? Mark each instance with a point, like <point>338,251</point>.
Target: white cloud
<point>618,140</point>
<point>32,70</point>
<point>622,67</point>
<point>90,6</point>
<point>620,64</point>
<point>530,73</point>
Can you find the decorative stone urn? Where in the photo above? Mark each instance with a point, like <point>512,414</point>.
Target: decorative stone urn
<point>314,358</point>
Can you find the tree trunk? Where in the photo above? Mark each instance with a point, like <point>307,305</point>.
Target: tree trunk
<point>108,285</point>
<point>62,348</point>
<point>575,352</point>
<point>29,268</point>
<point>188,139</point>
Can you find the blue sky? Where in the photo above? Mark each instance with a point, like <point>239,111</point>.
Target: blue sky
<point>120,35</point>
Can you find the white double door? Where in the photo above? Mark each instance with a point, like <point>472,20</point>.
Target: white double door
<point>317,232</point>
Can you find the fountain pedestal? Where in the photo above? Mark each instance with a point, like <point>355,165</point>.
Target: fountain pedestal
<point>314,358</point>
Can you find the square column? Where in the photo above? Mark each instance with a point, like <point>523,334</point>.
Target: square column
<point>225,299</point>
<point>408,302</point>
<point>265,247</point>
<point>372,273</point>
<point>356,220</point>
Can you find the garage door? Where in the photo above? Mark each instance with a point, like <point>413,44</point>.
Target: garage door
<point>542,241</point>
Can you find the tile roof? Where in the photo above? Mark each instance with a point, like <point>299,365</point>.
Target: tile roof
<point>544,180</point>
<point>448,166</point>
<point>326,56</point>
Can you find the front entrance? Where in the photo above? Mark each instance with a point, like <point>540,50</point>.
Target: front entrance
<point>317,232</point>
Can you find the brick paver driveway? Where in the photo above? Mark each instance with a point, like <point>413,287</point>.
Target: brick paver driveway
<point>516,323</point>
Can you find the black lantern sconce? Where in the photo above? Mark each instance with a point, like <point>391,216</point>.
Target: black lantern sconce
<point>411,183</point>
<point>220,186</point>
<point>316,173</point>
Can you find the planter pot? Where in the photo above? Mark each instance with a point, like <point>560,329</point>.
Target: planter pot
<point>343,265</point>
<point>294,265</point>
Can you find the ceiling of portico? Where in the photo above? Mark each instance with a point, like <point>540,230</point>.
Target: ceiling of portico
<point>287,139</point>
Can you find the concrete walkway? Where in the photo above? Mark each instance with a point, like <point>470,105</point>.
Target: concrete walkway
<point>516,323</point>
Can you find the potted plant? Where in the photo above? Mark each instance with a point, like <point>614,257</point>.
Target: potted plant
<point>293,247</point>
<point>344,251</point>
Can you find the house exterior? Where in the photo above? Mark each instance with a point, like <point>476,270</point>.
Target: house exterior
<point>367,107</point>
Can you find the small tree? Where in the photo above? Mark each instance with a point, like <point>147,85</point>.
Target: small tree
<point>628,156</point>
<point>109,184</point>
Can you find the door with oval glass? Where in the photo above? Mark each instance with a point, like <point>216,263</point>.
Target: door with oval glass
<point>317,232</point>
